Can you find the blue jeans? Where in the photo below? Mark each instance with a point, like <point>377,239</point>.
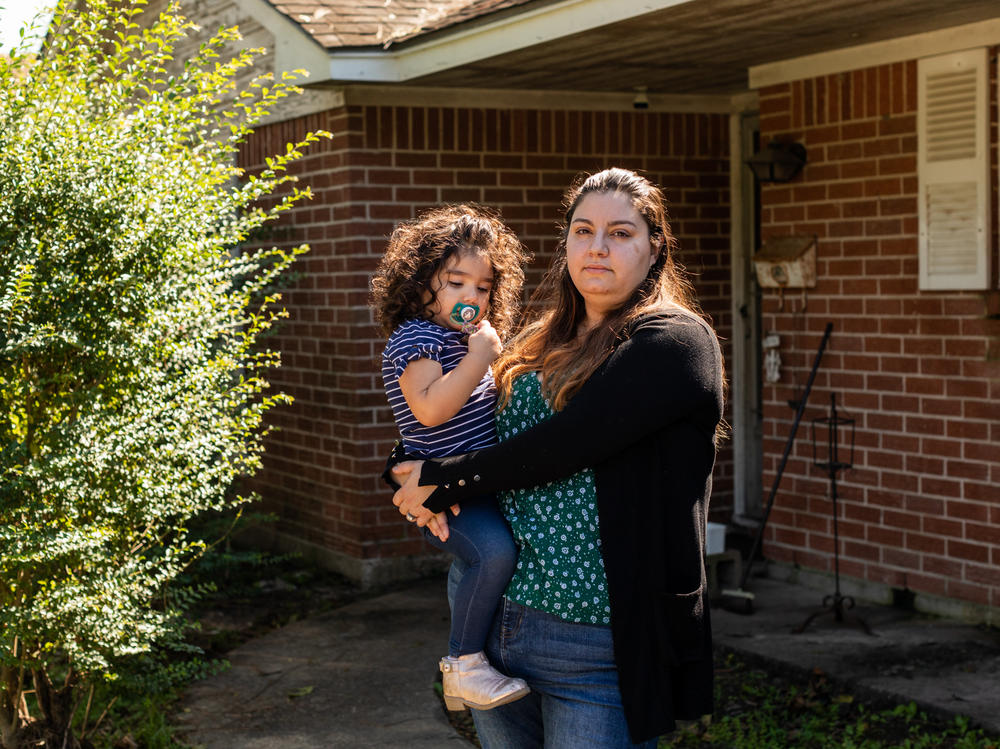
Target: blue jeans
<point>575,700</point>
<point>480,538</point>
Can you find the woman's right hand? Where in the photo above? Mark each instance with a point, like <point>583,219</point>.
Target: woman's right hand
<point>410,498</point>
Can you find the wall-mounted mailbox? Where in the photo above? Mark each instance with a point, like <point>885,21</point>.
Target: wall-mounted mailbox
<point>787,263</point>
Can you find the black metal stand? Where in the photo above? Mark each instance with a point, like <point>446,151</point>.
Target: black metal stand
<point>740,598</point>
<point>836,604</point>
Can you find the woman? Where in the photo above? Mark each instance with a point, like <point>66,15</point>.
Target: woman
<point>607,491</point>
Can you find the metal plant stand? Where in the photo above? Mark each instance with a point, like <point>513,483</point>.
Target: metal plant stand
<point>836,604</point>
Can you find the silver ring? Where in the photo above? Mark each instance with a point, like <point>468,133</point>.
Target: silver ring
<point>411,517</point>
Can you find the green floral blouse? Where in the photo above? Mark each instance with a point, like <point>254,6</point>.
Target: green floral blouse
<point>560,569</point>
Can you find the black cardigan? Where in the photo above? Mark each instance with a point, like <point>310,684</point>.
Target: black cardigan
<point>645,421</point>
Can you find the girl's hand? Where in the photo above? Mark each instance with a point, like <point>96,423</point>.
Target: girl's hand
<point>485,343</point>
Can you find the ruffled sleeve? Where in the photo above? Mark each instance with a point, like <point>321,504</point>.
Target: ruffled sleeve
<point>413,340</point>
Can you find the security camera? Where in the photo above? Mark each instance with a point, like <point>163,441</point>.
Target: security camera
<point>641,101</point>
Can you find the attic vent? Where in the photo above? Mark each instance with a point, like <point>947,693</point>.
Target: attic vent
<point>953,169</point>
<point>951,115</point>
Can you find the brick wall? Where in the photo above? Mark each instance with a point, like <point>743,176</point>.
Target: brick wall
<point>918,370</point>
<point>386,164</point>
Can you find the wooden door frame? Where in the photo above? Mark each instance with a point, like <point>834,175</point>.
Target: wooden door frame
<point>745,365</point>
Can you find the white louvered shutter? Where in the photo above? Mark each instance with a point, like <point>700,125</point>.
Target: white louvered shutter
<point>953,164</point>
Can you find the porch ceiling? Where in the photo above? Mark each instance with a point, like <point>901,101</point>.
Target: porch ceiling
<point>705,46</point>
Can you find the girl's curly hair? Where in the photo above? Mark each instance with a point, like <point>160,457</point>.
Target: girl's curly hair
<point>420,247</point>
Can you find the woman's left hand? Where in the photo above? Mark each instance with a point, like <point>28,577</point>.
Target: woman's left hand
<point>410,497</point>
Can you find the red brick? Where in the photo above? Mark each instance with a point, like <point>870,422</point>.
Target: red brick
<point>863,168</point>
<point>433,177</point>
<point>921,346</point>
<point>969,430</point>
<point>965,347</point>
<point>882,227</point>
<point>900,558</point>
<point>904,520</point>
<point>843,150</point>
<point>899,442</point>
<point>896,206</point>
<point>983,451</point>
<point>887,423</point>
<point>989,410</point>
<point>964,306</point>
<point>984,533</point>
<point>904,124</point>
<point>882,186</point>
<point>905,482</point>
<point>940,407</point>
<point>882,147</point>
<point>886,537</point>
<point>860,209</point>
<point>844,190</point>
<point>900,403</point>
<point>940,487</point>
<point>984,575</point>
<point>945,568</point>
<point>473,178</point>
<point>846,229</point>
<point>855,130</point>
<point>461,161</point>
<point>972,552</point>
<point>859,550</point>
<point>924,543</point>
<point>940,367</point>
<point>906,164</point>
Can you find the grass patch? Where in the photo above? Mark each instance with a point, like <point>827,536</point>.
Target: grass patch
<point>757,709</point>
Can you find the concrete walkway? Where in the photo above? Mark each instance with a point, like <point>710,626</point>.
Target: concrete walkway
<point>945,666</point>
<point>362,675</point>
<point>358,676</point>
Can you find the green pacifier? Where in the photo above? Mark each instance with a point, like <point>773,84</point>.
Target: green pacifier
<point>464,314</point>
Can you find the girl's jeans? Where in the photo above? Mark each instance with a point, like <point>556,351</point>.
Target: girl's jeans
<point>480,538</point>
<point>574,701</point>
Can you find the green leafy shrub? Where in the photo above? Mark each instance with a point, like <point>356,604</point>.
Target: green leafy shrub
<point>132,387</point>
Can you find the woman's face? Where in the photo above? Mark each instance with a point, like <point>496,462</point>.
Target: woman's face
<point>608,252</point>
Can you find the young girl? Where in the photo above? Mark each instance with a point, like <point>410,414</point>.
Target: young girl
<point>441,277</point>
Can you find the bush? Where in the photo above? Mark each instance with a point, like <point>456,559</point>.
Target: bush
<point>132,387</point>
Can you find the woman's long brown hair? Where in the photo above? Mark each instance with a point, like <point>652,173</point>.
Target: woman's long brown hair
<point>549,342</point>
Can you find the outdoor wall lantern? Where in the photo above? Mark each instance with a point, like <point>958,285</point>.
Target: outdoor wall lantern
<point>777,161</point>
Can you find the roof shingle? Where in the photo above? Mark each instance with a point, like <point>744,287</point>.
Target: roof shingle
<point>369,23</point>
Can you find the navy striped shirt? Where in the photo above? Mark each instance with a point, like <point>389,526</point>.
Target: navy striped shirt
<point>472,427</point>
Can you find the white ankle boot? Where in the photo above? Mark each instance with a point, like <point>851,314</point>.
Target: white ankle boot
<point>470,680</point>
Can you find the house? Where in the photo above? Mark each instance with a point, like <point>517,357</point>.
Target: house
<point>894,104</point>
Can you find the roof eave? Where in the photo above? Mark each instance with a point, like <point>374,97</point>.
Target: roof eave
<point>464,44</point>
<point>294,48</point>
